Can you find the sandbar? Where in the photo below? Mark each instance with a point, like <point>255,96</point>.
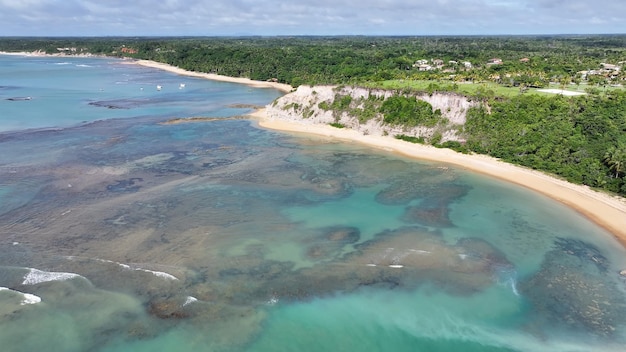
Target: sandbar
<point>608,211</point>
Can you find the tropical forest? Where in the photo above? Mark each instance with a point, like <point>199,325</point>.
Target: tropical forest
<point>519,84</point>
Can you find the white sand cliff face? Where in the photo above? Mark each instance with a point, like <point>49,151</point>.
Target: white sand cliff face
<point>303,106</point>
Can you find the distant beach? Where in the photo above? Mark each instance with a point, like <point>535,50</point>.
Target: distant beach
<point>158,65</point>
<point>605,210</point>
<point>258,84</point>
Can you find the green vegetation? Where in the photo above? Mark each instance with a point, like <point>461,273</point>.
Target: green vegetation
<point>582,139</point>
<point>454,145</point>
<point>409,111</point>
<point>410,139</point>
<point>465,88</point>
<point>524,62</point>
<point>337,125</point>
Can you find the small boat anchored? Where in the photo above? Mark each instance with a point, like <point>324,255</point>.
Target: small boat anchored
<point>20,98</point>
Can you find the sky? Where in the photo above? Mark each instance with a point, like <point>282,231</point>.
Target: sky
<point>309,17</point>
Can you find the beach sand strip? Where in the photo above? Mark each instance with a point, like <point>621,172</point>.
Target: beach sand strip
<point>606,210</point>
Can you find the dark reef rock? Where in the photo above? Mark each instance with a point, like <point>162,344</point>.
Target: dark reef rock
<point>584,251</point>
<point>167,309</point>
<point>125,185</point>
<point>330,242</point>
<point>572,289</point>
<point>428,216</point>
<point>342,234</point>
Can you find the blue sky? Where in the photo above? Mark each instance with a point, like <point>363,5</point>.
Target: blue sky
<point>309,17</point>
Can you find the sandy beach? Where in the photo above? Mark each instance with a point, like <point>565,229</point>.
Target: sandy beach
<point>606,210</point>
<point>258,84</point>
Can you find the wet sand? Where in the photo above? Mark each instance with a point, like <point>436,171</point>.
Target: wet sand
<point>606,210</point>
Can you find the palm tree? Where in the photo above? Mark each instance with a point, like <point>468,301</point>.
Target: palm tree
<point>615,158</point>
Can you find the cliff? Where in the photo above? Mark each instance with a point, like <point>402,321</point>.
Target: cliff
<point>359,109</point>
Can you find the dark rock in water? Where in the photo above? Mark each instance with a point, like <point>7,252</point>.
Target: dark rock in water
<point>409,257</point>
<point>582,250</point>
<point>572,290</point>
<point>331,242</point>
<point>343,234</point>
<point>478,247</point>
<point>107,105</point>
<point>434,205</point>
<point>433,186</point>
<point>267,270</point>
<point>217,163</point>
<point>428,216</point>
<point>167,309</point>
<point>125,185</point>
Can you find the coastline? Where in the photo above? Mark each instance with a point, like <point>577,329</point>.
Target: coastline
<point>43,54</point>
<point>603,209</point>
<point>215,77</point>
<point>173,69</point>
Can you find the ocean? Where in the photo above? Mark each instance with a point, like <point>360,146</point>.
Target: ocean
<point>123,231</point>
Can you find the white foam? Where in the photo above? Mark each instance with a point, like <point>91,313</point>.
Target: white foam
<point>125,266</point>
<point>128,267</point>
<point>27,298</point>
<point>396,266</point>
<point>272,301</point>
<point>15,243</point>
<point>30,299</point>
<point>420,251</point>
<point>371,264</point>
<point>513,284</point>
<point>35,276</point>
<point>189,300</point>
<point>159,274</point>
<point>462,256</point>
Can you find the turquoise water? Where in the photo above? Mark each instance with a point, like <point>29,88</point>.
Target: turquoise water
<point>121,233</point>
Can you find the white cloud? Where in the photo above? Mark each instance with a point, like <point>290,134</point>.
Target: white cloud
<point>270,17</point>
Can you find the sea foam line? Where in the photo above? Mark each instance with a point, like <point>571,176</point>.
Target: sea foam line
<point>35,276</point>
<point>160,274</point>
<point>27,298</point>
<point>189,300</point>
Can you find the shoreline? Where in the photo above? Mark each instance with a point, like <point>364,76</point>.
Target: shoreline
<point>283,87</point>
<point>212,76</point>
<point>609,212</point>
<point>43,54</point>
<point>605,210</point>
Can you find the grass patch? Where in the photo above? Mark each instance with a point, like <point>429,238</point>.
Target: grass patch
<point>470,89</point>
<point>410,139</point>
